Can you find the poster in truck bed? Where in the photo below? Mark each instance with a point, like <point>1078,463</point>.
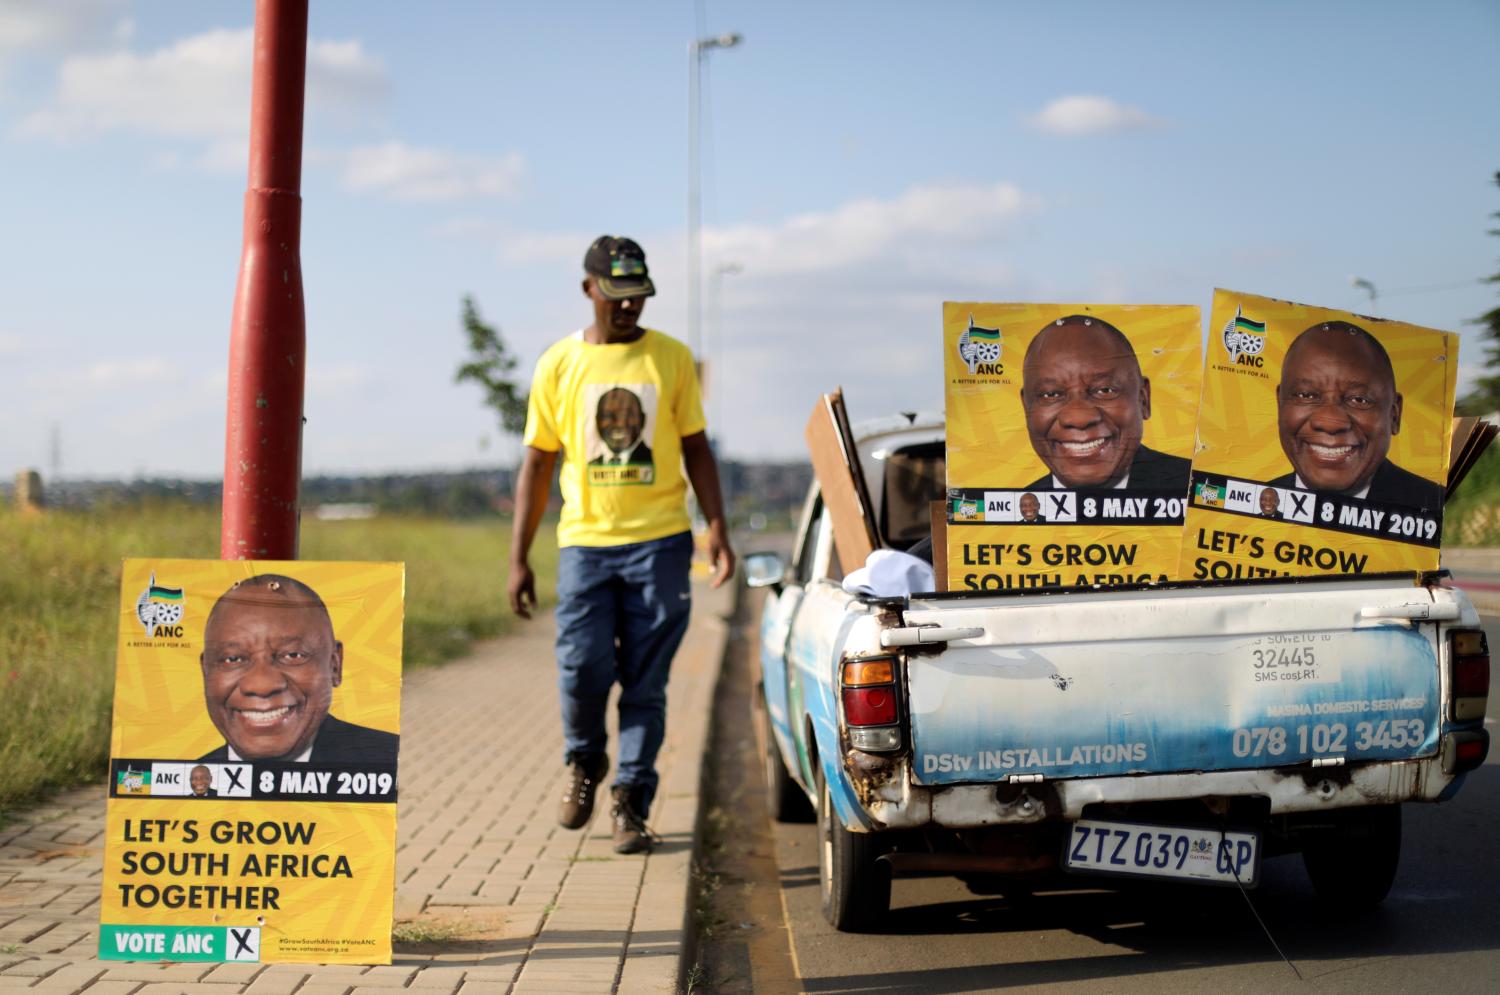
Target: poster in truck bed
<point>1323,441</point>
<point>1070,431</point>
<point>252,786</point>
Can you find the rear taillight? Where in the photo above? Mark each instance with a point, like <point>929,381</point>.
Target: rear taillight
<point>871,701</point>
<point>1463,751</point>
<point>1469,679</point>
<point>870,706</point>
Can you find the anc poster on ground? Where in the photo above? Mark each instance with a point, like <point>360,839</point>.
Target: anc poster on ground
<point>1322,443</point>
<point>1070,430</point>
<point>252,787</point>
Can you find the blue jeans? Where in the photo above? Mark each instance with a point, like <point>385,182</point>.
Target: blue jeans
<point>621,614</point>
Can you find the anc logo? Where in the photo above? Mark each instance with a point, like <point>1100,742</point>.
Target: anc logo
<point>1209,495</point>
<point>979,346</point>
<point>159,608</point>
<point>133,782</point>
<point>965,510</point>
<point>1244,338</point>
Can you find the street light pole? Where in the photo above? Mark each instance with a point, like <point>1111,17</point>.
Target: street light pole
<point>721,380</point>
<point>698,51</point>
<point>1359,283</point>
<point>716,309</point>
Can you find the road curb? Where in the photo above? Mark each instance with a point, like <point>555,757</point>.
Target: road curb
<point>664,917</point>
<point>688,952</point>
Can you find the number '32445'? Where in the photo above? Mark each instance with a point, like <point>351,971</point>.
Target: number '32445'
<point>1299,656</point>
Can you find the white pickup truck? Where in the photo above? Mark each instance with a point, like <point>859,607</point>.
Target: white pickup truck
<point>1182,731</point>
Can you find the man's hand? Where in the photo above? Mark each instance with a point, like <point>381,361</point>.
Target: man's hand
<point>522,589</point>
<point>720,554</point>
<point>698,459</point>
<point>532,485</point>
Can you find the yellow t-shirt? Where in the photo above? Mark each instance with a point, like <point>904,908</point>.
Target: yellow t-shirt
<point>618,412</point>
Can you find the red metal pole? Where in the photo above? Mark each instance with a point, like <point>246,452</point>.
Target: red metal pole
<point>268,338</point>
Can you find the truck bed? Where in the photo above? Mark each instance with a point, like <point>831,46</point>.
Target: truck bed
<point>1295,691</point>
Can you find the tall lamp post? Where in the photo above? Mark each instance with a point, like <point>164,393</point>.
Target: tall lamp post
<point>1360,283</point>
<point>716,311</point>
<point>698,51</point>
<point>719,380</point>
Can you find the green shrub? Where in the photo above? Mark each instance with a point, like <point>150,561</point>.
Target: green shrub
<point>1472,518</point>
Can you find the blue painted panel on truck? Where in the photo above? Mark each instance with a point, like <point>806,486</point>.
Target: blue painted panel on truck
<point>1080,709</point>
<point>818,636</point>
<point>775,629</point>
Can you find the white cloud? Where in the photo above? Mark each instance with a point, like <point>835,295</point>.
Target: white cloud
<point>1084,114</point>
<point>197,87</point>
<point>902,232</point>
<point>903,235</point>
<point>54,25</point>
<point>847,296</point>
<point>51,27</point>
<point>341,75</point>
<point>406,172</point>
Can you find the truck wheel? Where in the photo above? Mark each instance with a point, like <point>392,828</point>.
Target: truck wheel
<point>1352,867</point>
<point>784,796</point>
<point>856,889</point>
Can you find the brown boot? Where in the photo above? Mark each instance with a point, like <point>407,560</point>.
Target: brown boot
<point>630,832</point>
<point>584,775</point>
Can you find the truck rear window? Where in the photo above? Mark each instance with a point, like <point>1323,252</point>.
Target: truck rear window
<point>914,478</point>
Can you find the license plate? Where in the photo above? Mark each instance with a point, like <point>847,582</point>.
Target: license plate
<point>1186,853</point>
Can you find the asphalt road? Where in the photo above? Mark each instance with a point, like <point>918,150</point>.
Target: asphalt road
<point>1439,930</point>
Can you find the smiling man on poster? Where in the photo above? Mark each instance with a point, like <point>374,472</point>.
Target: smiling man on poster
<point>270,663</point>
<point>1086,401</point>
<point>1338,408</point>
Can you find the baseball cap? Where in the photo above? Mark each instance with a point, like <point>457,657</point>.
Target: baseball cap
<point>618,265</point>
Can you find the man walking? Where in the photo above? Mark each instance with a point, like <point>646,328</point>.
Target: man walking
<point>620,402</point>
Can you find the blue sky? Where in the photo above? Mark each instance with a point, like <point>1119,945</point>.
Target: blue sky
<point>864,162</point>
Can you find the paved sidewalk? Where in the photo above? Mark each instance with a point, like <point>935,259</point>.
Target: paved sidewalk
<point>512,903</point>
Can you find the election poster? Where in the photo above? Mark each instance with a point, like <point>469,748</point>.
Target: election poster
<point>1070,435</point>
<point>1323,442</point>
<point>252,784</point>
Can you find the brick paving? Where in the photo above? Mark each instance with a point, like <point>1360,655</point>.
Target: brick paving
<point>515,905</point>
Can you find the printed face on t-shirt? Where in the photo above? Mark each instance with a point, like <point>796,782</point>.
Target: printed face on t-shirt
<point>619,422</point>
<point>619,419</point>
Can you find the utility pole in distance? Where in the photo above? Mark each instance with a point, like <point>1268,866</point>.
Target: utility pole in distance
<point>698,51</point>
<point>268,335</point>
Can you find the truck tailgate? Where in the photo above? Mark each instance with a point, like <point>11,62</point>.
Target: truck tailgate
<point>1099,683</point>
